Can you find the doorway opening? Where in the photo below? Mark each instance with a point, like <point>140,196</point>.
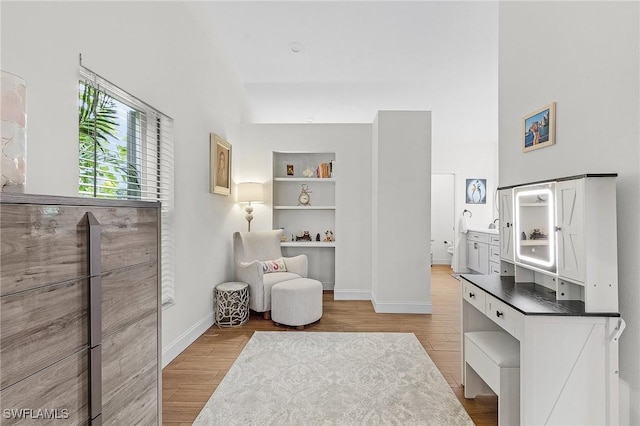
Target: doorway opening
<point>442,218</point>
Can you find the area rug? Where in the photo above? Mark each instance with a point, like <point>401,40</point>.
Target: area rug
<point>308,378</point>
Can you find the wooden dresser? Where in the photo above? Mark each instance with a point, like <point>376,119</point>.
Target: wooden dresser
<point>79,311</point>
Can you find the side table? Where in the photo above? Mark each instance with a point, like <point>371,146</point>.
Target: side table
<point>231,304</point>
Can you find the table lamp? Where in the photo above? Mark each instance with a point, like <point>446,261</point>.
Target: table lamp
<point>250,192</point>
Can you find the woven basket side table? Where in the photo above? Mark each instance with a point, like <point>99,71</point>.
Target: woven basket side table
<point>231,304</point>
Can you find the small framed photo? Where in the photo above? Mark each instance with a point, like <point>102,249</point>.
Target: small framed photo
<point>220,165</point>
<point>289,169</point>
<point>476,191</point>
<point>539,128</point>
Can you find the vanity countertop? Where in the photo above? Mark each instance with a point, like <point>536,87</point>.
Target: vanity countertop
<point>530,298</point>
<point>484,230</point>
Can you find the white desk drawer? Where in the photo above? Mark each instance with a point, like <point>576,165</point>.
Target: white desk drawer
<point>494,254</point>
<point>505,316</point>
<point>494,240</point>
<point>478,237</point>
<point>494,268</point>
<point>473,295</point>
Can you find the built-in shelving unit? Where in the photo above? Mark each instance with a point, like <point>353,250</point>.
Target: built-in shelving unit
<point>317,218</point>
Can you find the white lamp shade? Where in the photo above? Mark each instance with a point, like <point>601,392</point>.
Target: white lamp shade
<point>250,192</point>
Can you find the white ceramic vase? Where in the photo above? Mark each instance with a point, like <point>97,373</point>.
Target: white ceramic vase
<point>13,127</point>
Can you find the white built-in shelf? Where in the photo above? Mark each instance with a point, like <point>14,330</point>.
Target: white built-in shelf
<point>534,242</point>
<point>533,204</point>
<point>296,179</point>
<point>308,244</point>
<point>304,207</point>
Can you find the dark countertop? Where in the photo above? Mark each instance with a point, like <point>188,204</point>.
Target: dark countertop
<point>530,298</point>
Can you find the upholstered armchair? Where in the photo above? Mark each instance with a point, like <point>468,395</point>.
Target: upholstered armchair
<point>252,248</point>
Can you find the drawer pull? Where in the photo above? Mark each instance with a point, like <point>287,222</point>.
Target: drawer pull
<point>472,295</point>
<point>499,314</point>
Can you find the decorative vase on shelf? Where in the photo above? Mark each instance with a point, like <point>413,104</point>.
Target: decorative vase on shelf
<point>13,109</point>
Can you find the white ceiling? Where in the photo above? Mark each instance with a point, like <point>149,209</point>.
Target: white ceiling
<point>360,57</point>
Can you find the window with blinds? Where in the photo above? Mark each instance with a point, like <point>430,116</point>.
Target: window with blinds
<point>126,152</point>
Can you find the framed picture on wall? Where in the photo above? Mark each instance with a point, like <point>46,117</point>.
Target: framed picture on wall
<point>220,165</point>
<point>476,191</point>
<point>539,128</point>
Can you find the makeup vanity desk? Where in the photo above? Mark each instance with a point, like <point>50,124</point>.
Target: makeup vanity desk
<point>568,357</point>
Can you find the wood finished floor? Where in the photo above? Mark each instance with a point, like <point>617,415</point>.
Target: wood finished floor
<point>190,379</point>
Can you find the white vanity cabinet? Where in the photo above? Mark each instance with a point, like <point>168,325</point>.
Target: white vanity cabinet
<point>505,197</point>
<point>483,252</point>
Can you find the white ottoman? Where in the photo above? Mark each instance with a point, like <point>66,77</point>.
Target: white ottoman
<point>296,302</point>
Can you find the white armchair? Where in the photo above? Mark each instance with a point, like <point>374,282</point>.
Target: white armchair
<point>251,248</point>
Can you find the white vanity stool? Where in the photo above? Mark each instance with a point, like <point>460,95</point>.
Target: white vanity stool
<point>493,357</point>
<point>296,302</point>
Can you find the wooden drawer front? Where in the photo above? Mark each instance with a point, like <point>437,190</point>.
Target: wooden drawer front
<point>505,316</point>
<point>48,244</point>
<point>129,371</point>
<point>494,268</point>
<point>63,387</point>
<point>473,295</point>
<point>494,253</point>
<point>129,236</point>
<point>478,237</point>
<point>128,295</point>
<point>495,240</point>
<point>41,245</point>
<point>41,326</point>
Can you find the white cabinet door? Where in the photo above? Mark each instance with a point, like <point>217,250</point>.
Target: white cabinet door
<point>506,224</point>
<point>570,233</point>
<point>478,257</point>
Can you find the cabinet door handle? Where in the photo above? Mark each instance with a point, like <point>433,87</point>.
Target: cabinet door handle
<point>472,295</point>
<point>508,225</point>
<point>499,314</point>
<point>475,245</point>
<point>558,229</point>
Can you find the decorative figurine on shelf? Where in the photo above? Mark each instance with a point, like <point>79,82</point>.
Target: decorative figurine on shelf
<point>328,237</point>
<point>318,236</point>
<point>289,169</point>
<point>303,236</point>
<point>537,235</point>
<point>304,199</point>
<point>308,172</point>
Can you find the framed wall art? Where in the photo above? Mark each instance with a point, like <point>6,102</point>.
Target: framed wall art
<point>476,191</point>
<point>539,128</point>
<point>220,165</point>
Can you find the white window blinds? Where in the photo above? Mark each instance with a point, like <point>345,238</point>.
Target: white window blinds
<point>126,152</point>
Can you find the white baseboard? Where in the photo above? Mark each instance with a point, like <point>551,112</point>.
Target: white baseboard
<point>400,307</point>
<point>351,295</point>
<point>174,348</point>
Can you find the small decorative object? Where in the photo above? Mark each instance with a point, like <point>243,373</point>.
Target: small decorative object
<point>538,235</point>
<point>539,128</point>
<point>476,192</point>
<point>14,132</point>
<point>304,199</point>
<point>523,236</point>
<point>289,169</point>
<point>328,237</point>
<point>308,172</point>
<point>303,236</point>
<point>220,160</point>
<point>318,236</point>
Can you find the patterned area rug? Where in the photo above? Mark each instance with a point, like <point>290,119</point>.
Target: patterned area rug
<point>308,378</point>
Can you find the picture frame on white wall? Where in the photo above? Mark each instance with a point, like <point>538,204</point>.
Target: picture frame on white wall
<point>220,165</point>
<point>539,128</point>
<point>476,191</point>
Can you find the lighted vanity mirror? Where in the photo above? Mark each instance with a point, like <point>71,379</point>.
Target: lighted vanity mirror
<point>535,226</point>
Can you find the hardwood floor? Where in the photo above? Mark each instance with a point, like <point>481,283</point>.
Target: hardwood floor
<point>190,379</point>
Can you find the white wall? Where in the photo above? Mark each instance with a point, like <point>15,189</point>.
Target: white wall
<point>165,60</point>
<point>352,146</point>
<point>442,217</point>
<point>584,56</point>
<point>402,225</point>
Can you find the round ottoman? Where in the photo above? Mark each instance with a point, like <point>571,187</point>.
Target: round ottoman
<point>296,302</point>
<point>231,303</point>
